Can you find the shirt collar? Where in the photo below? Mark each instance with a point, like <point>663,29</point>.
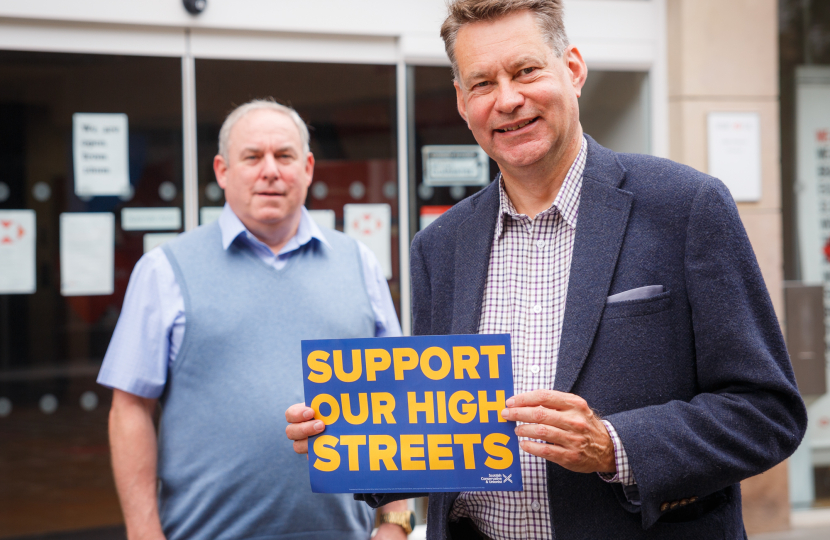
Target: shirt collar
<point>566,201</point>
<point>232,228</point>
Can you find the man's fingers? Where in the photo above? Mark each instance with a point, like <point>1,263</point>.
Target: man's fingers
<point>299,413</point>
<point>550,399</point>
<point>534,415</point>
<point>301,426</point>
<point>550,452</point>
<point>301,447</point>
<point>543,432</point>
<point>304,430</point>
<point>566,457</point>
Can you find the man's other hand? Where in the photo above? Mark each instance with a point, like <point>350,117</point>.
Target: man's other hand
<point>301,426</point>
<point>578,440</point>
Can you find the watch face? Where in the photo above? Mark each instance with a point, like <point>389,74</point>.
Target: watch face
<point>412,520</point>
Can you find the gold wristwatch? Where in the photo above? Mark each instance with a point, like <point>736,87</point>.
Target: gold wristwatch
<point>405,519</point>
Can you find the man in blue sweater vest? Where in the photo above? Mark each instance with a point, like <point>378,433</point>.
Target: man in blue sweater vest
<point>210,330</point>
<point>650,372</point>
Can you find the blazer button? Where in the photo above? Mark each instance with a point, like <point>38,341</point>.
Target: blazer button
<point>664,507</point>
<point>692,499</point>
<point>674,505</point>
<point>684,502</point>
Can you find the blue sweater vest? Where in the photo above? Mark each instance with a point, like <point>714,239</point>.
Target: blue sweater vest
<point>226,469</point>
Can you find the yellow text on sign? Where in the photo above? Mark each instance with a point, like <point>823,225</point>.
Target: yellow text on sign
<point>435,363</point>
<point>413,452</point>
<point>461,406</point>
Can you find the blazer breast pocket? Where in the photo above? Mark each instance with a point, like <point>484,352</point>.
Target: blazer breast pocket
<point>637,302</point>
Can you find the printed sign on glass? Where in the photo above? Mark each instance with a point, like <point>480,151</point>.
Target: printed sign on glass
<point>87,253</point>
<point>371,224</point>
<point>100,153</point>
<point>813,194</point>
<point>455,165</point>
<point>17,252</point>
<point>151,219</point>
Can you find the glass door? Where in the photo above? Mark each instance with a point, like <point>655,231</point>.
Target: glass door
<point>91,147</point>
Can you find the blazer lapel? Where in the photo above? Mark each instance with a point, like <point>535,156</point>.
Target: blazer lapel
<point>473,242</point>
<point>600,230</point>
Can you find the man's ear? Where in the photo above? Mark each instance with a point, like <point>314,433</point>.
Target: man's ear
<point>462,107</point>
<point>577,68</point>
<point>309,167</point>
<point>220,168</point>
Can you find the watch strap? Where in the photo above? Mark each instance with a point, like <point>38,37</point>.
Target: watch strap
<point>404,519</point>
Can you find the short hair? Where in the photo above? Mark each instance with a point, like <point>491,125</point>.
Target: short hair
<point>255,105</point>
<point>548,14</point>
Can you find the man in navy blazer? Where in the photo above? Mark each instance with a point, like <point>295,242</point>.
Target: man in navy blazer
<point>671,362</point>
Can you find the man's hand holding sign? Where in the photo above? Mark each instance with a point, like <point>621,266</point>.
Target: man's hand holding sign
<point>578,439</point>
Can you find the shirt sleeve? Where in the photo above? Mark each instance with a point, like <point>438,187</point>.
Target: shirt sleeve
<point>140,350</point>
<point>624,475</point>
<point>386,318</point>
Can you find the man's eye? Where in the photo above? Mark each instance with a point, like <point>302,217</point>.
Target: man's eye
<point>482,84</point>
<point>528,70</point>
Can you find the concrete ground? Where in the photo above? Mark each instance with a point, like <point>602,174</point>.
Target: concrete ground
<point>807,525</point>
<point>815,533</point>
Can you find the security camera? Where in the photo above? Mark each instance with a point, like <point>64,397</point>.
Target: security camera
<point>194,7</point>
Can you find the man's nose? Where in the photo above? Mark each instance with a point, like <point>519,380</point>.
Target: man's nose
<point>270,167</point>
<point>508,97</point>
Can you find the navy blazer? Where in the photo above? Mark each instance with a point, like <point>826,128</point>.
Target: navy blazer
<point>696,380</point>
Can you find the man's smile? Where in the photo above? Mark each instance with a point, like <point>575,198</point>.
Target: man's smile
<point>516,126</point>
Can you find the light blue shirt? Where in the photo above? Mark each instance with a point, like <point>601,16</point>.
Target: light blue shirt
<point>151,326</point>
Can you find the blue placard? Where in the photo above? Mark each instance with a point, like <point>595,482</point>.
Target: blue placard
<point>411,414</point>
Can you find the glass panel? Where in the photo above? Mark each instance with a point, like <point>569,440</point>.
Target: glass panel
<point>437,122</point>
<point>351,112</point>
<point>54,456</point>
<point>804,71</point>
<point>614,110</point>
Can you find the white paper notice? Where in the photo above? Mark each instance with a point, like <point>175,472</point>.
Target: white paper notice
<point>735,153</point>
<point>87,253</point>
<point>455,165</point>
<point>17,252</point>
<point>153,240</point>
<point>323,218</point>
<point>100,152</point>
<point>371,224</point>
<point>209,214</point>
<point>151,219</point>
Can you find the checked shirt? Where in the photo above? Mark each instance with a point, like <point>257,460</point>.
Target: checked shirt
<point>524,296</point>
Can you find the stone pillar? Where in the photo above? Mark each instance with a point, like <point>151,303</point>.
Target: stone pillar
<point>723,56</point>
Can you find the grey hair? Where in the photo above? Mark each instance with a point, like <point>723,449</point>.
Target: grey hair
<point>255,105</point>
<point>548,14</point>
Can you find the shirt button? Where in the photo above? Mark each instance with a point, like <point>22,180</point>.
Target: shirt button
<point>537,308</point>
<point>540,244</point>
<point>535,505</point>
<point>534,369</point>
